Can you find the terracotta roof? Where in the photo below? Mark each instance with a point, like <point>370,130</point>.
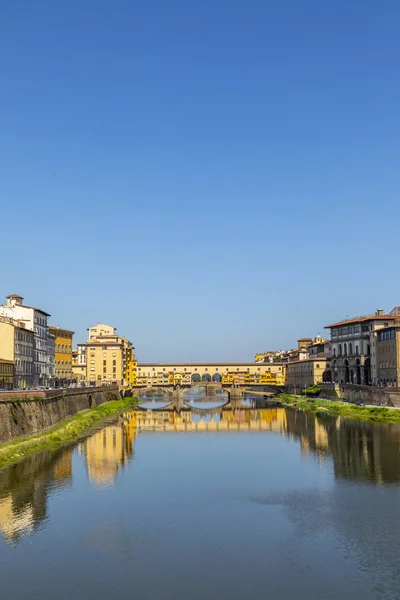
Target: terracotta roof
<point>60,329</point>
<point>363,319</point>
<point>317,358</point>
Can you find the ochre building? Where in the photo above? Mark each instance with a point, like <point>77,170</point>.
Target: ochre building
<point>63,355</point>
<point>109,357</point>
<point>303,373</point>
<point>6,374</point>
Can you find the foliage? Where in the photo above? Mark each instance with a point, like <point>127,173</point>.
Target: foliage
<point>344,409</point>
<point>313,390</point>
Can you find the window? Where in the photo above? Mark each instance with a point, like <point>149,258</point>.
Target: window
<point>92,362</point>
<point>92,368</point>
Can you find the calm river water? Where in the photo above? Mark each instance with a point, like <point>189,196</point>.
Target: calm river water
<point>221,504</point>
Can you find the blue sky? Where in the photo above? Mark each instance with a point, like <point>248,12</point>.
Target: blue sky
<point>213,177</point>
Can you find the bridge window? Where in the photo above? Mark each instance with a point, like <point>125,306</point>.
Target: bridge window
<point>195,377</point>
<point>206,377</point>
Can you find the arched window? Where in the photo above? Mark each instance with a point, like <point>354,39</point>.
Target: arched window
<point>351,349</point>
<point>345,349</point>
<point>340,349</point>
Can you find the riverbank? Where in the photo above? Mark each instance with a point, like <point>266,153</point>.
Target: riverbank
<point>375,414</point>
<point>64,432</point>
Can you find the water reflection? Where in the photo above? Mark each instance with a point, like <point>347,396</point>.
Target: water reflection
<point>359,451</point>
<point>24,489</point>
<point>109,450</point>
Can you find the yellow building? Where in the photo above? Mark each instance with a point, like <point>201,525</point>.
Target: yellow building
<point>6,374</point>
<point>131,363</point>
<point>108,450</point>
<point>224,373</point>
<point>301,374</point>
<point>63,355</point>
<point>109,357</point>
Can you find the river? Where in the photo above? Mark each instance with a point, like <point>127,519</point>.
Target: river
<point>208,503</point>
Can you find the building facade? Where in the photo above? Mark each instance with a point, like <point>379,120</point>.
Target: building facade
<point>319,348</point>
<point>108,357</point>
<point>353,348</point>
<point>161,374</point>
<point>35,320</point>
<point>304,373</point>
<point>6,374</point>
<point>17,346</point>
<point>51,351</point>
<point>388,356</point>
<point>79,365</point>
<point>63,355</point>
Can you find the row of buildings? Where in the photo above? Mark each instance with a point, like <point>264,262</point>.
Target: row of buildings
<point>32,352</point>
<point>35,354</point>
<point>363,350</point>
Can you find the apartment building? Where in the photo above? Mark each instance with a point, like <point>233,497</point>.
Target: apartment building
<point>109,357</point>
<point>17,346</point>
<point>6,374</point>
<point>35,320</point>
<point>63,355</point>
<point>79,365</point>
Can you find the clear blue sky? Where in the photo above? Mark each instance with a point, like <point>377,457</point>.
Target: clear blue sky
<point>213,177</point>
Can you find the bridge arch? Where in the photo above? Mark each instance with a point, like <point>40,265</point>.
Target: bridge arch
<point>206,377</point>
<point>217,378</point>
<point>196,377</point>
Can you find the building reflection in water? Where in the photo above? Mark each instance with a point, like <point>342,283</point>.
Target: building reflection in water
<point>24,489</point>
<point>109,450</point>
<point>359,451</point>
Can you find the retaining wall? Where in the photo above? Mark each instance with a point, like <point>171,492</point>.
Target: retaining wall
<point>27,413</point>
<point>361,393</point>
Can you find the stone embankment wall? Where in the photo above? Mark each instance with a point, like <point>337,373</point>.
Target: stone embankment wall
<point>26,413</point>
<point>361,393</point>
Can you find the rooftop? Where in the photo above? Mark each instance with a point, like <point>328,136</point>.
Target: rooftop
<point>57,328</point>
<point>363,319</point>
<point>316,359</point>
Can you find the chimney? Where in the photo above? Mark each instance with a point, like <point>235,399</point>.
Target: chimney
<point>380,311</point>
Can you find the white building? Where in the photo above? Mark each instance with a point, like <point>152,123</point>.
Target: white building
<point>51,359</point>
<point>34,319</point>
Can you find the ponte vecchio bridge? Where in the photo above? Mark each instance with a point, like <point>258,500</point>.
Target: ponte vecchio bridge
<point>227,375</point>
